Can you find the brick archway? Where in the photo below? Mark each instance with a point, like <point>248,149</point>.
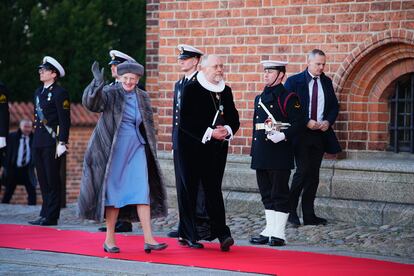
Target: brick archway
<point>363,83</point>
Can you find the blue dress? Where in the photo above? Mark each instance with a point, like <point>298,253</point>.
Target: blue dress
<point>127,182</point>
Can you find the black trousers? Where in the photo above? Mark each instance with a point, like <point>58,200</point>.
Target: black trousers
<point>16,176</point>
<point>47,168</point>
<point>308,156</point>
<point>274,189</point>
<point>210,177</point>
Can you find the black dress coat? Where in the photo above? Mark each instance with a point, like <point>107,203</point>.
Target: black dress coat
<point>203,162</point>
<point>55,105</point>
<point>299,84</point>
<point>267,155</point>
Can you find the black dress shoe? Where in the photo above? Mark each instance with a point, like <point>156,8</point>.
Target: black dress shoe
<point>259,240</point>
<point>48,222</point>
<point>148,247</point>
<point>273,241</point>
<point>226,243</point>
<point>173,234</point>
<point>191,244</point>
<point>293,219</point>
<point>36,221</point>
<point>314,220</point>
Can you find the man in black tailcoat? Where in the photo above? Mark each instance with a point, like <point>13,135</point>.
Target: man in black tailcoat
<point>208,121</point>
<point>188,60</point>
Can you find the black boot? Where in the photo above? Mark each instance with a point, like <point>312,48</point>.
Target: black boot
<point>293,219</point>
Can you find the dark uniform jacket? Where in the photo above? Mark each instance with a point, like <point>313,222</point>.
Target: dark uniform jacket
<point>178,90</point>
<point>198,108</point>
<point>55,106</point>
<point>4,111</point>
<point>300,84</point>
<point>266,154</point>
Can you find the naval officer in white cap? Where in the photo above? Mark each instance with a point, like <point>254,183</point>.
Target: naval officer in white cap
<point>51,135</point>
<point>277,119</point>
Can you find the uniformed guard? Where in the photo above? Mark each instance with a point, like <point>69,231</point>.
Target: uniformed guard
<point>117,57</point>
<point>4,122</point>
<point>52,123</point>
<point>277,119</point>
<point>188,60</point>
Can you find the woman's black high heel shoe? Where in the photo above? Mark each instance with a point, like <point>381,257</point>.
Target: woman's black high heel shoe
<point>111,249</point>
<point>148,247</point>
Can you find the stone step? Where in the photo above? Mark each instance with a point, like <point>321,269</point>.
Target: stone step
<point>369,191</point>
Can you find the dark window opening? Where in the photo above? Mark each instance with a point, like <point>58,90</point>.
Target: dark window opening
<point>402,115</point>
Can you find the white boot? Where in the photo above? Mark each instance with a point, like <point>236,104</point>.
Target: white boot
<point>269,223</point>
<point>279,225</point>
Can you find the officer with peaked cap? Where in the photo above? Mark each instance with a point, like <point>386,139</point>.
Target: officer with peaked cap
<point>277,119</point>
<point>117,57</point>
<point>188,60</point>
<point>51,134</point>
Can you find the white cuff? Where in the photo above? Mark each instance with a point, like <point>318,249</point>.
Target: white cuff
<point>207,135</point>
<point>2,142</point>
<point>230,131</point>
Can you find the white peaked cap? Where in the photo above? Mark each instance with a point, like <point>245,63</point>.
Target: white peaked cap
<point>115,53</point>
<point>56,64</point>
<point>269,64</point>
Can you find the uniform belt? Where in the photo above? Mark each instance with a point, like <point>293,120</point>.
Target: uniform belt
<point>260,126</point>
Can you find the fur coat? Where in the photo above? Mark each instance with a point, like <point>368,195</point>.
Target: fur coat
<point>109,101</point>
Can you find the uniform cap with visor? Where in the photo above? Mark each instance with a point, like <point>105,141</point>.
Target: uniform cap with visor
<point>52,64</point>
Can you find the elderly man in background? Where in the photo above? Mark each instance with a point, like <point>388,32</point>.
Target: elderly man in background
<point>19,167</point>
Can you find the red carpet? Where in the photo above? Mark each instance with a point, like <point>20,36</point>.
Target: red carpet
<point>240,258</point>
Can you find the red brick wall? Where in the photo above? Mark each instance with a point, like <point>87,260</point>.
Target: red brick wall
<point>368,45</point>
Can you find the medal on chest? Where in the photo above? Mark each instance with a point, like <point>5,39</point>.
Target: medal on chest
<point>49,96</point>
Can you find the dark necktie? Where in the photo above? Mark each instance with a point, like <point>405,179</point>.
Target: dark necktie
<point>24,155</point>
<point>184,82</point>
<point>314,102</point>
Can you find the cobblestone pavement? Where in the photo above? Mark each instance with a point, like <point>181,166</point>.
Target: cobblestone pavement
<point>386,240</point>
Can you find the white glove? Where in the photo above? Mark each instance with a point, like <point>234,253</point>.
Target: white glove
<point>2,142</point>
<point>60,149</point>
<point>276,136</point>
